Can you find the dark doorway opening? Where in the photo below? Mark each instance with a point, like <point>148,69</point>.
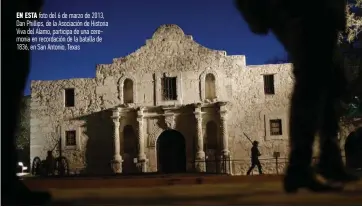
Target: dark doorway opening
<point>212,148</point>
<point>130,150</point>
<point>353,149</point>
<point>171,152</point>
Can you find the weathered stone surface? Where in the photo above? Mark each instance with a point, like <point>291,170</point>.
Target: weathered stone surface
<point>168,53</point>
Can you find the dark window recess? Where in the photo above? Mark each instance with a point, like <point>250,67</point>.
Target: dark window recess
<point>169,88</point>
<point>276,127</point>
<point>69,97</point>
<point>269,84</point>
<point>70,139</point>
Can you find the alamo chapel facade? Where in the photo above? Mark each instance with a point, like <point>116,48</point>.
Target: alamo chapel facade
<point>171,106</point>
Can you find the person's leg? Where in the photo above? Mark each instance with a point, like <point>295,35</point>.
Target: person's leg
<point>311,70</point>
<point>259,168</point>
<point>250,169</point>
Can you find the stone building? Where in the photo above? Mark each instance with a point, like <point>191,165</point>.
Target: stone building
<point>170,106</point>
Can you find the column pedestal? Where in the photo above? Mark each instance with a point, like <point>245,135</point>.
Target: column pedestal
<point>200,163</point>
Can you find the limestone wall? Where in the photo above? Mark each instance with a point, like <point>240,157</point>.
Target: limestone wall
<point>251,111</point>
<point>171,53</point>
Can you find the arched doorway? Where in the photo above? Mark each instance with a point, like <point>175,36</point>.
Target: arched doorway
<point>171,152</point>
<point>353,149</point>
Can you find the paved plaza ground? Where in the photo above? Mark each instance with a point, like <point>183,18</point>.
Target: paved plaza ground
<point>186,190</point>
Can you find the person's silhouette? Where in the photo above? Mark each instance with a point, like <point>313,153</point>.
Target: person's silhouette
<point>255,158</point>
<point>16,192</point>
<point>50,163</point>
<point>309,33</point>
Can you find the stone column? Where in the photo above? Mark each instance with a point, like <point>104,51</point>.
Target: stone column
<point>200,153</point>
<point>225,157</point>
<point>117,159</point>
<point>142,160</point>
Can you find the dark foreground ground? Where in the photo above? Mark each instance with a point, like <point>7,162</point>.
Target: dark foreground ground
<point>185,190</point>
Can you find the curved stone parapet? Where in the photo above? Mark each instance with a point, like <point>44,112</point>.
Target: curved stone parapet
<point>168,31</point>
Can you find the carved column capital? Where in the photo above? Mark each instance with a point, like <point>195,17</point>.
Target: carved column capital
<point>223,116</point>
<point>198,105</point>
<point>115,115</point>
<point>140,119</point>
<point>223,111</point>
<point>170,121</point>
<point>198,108</point>
<point>223,106</point>
<point>140,111</point>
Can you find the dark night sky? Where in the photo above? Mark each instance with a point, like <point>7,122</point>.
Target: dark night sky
<point>215,24</point>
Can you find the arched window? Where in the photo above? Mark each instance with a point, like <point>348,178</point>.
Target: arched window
<point>128,91</point>
<point>210,90</point>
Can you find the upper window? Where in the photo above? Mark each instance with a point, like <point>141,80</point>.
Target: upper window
<point>69,97</point>
<point>269,84</point>
<point>169,88</point>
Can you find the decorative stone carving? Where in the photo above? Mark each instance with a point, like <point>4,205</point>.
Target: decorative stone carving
<point>140,111</point>
<point>116,166</point>
<point>153,132</point>
<point>170,121</point>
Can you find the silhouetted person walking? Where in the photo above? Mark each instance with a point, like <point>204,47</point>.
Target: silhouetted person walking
<point>308,31</point>
<point>255,158</point>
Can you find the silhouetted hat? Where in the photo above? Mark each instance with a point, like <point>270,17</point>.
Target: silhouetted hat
<point>255,143</point>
